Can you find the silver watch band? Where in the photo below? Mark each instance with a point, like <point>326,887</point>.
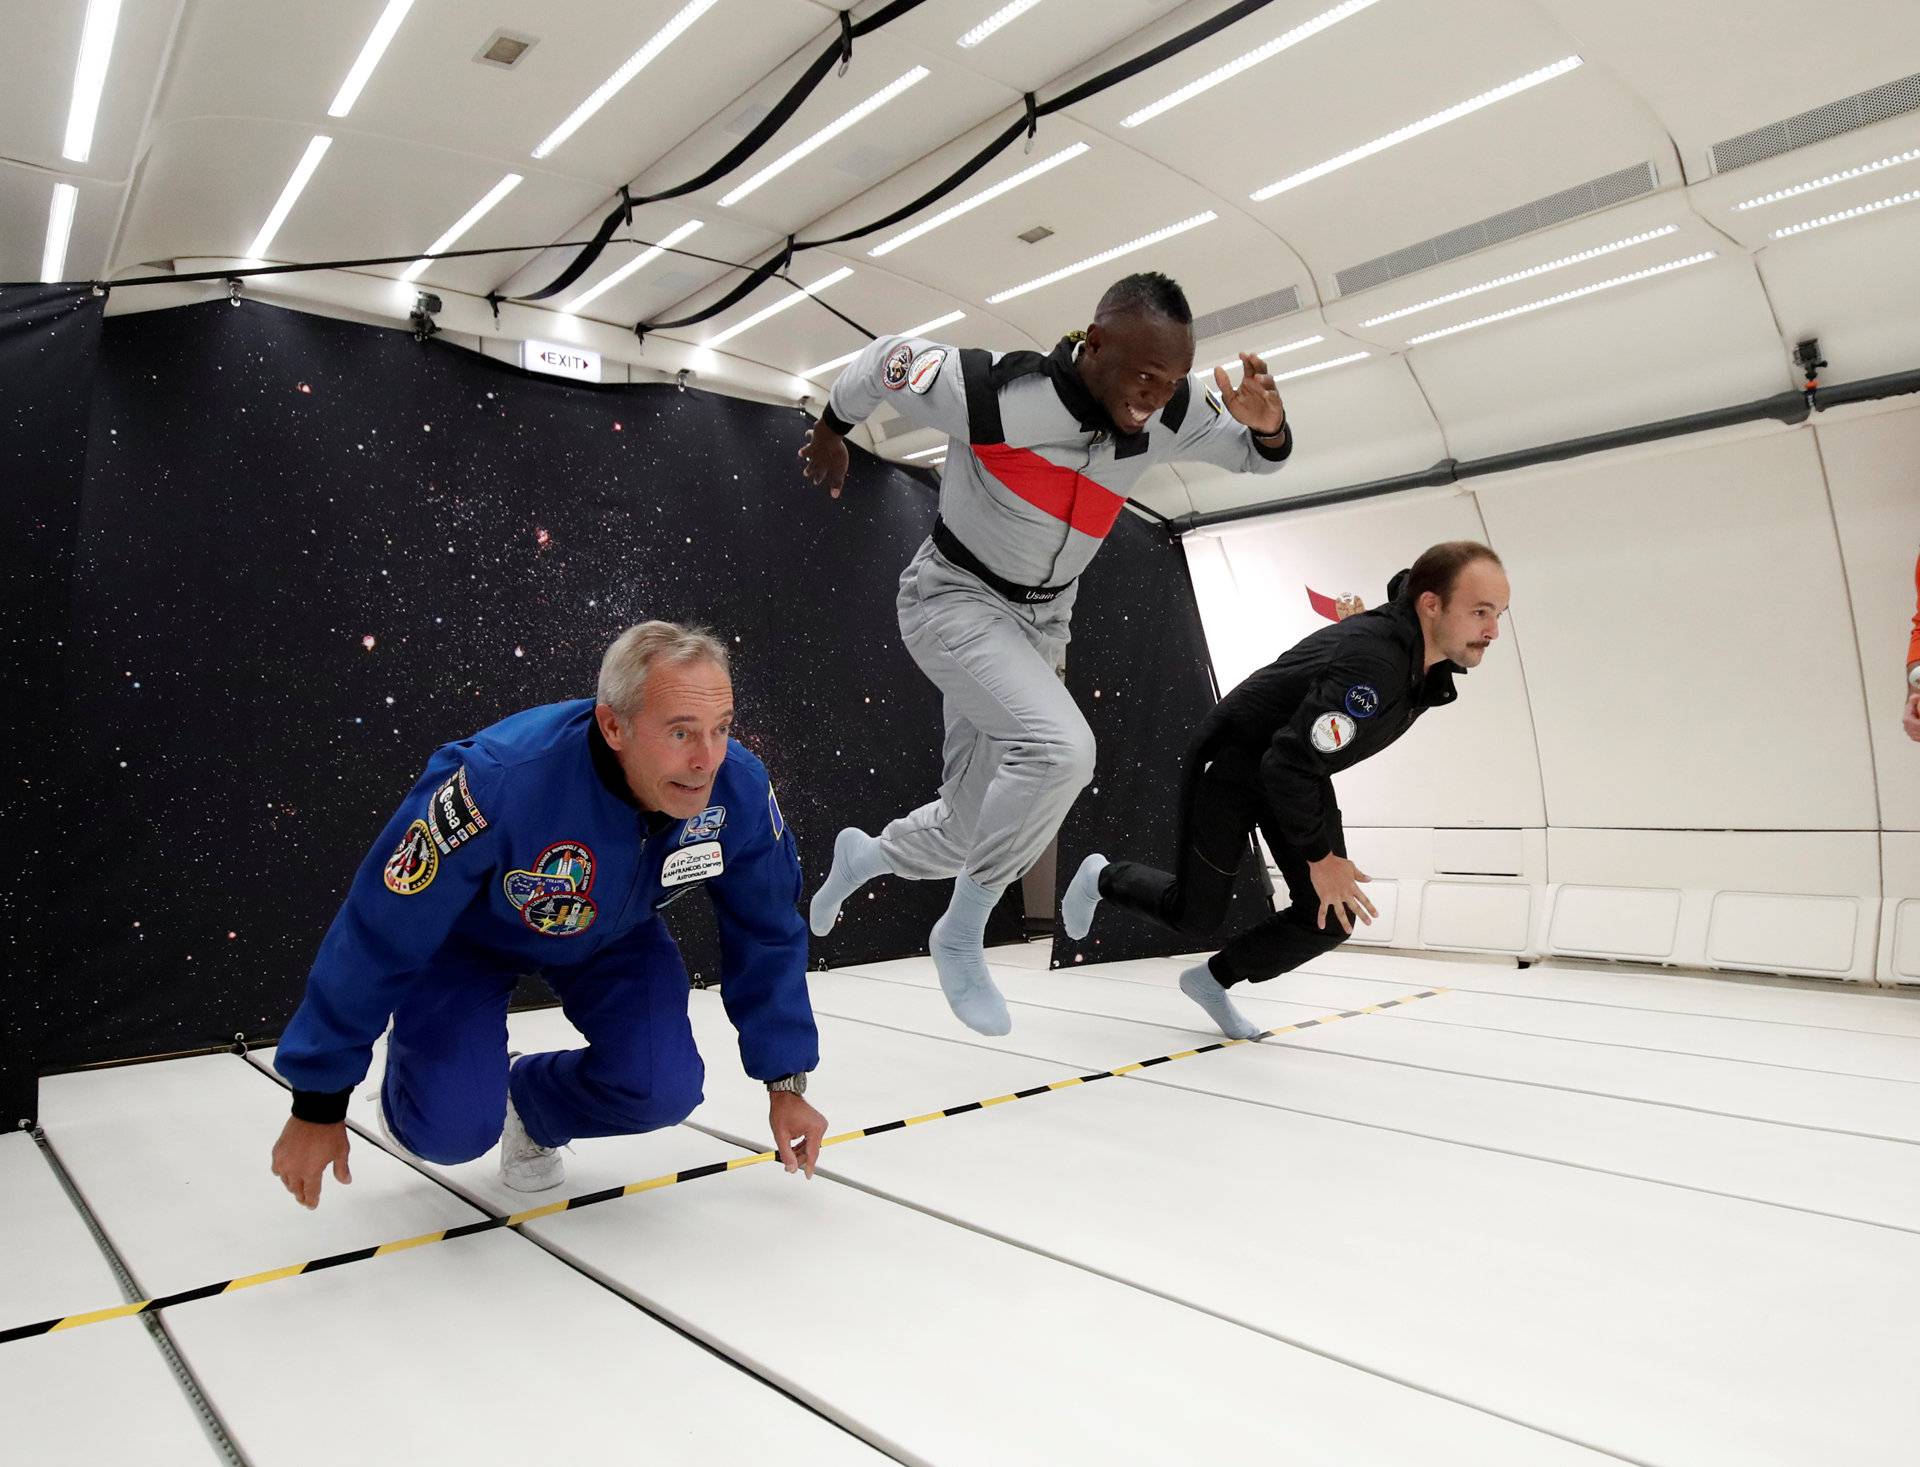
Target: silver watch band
<point>797,1084</point>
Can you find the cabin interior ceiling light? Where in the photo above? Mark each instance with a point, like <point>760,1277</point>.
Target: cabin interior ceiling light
<point>465,222</point>
<point>370,54</point>
<point>1425,125</point>
<point>1205,217</point>
<point>90,77</point>
<point>1571,295</point>
<point>631,268</point>
<point>296,184</point>
<point>1527,274</point>
<point>784,303</point>
<point>1845,214</point>
<point>826,134</point>
<point>1003,16</point>
<point>987,195</point>
<point>53,259</point>
<point>1273,351</point>
<point>629,69</point>
<point>1892,161</point>
<point>1233,68</point>
<point>921,330</point>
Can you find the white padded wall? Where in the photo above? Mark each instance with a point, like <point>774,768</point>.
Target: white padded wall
<point>1690,650</point>
<point>1466,765</point>
<point>1873,472</point>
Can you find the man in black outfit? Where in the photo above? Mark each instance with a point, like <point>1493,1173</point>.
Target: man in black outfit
<point>1264,756</point>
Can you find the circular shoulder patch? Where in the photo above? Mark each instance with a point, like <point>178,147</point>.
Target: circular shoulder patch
<point>1362,700</point>
<point>894,375</point>
<point>414,862</point>
<point>1332,732</point>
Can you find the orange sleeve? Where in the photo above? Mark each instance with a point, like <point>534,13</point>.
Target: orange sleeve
<point>1913,647</point>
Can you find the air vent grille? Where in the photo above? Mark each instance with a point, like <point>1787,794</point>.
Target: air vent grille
<point>1876,104</point>
<point>1570,203</point>
<point>1246,313</point>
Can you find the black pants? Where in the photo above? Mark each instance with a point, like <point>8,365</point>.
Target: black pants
<point>1220,808</point>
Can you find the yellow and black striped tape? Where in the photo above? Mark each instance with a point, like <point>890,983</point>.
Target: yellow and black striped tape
<point>652,1184</point>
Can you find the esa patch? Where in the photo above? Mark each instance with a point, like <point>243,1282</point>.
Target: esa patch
<point>414,862</point>
<point>560,914</point>
<point>1332,732</point>
<point>774,817</point>
<point>926,367</point>
<point>452,815</point>
<point>899,363</point>
<point>695,863</point>
<point>704,826</point>
<point>1362,700</point>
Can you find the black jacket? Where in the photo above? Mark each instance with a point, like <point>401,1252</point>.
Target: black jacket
<point>1340,695</point>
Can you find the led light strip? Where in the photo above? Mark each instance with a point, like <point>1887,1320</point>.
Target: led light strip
<point>1321,366</point>
<point>827,134</point>
<point>632,67</point>
<point>927,452</point>
<point>465,222</point>
<point>1528,274</point>
<point>1105,255</point>
<point>780,305</point>
<point>921,330</point>
<point>90,77</point>
<point>370,54</point>
<point>1832,178</point>
<point>1824,220</point>
<point>1212,79</point>
<point>1424,125</point>
<point>1276,351</point>
<point>53,260</point>
<point>631,268</point>
<point>1571,295</point>
<point>302,171</point>
<point>1003,16</point>
<point>954,211</point>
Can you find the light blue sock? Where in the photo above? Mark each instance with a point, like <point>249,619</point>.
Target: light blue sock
<point>1203,988</point>
<point>958,945</point>
<point>856,861</point>
<point>1083,895</point>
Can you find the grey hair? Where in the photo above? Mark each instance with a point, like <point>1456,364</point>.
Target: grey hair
<point>623,671</point>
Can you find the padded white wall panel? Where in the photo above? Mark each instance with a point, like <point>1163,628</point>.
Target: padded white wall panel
<point>1476,916</point>
<point>1690,652</point>
<point>1465,765</point>
<point>1873,472</point>
<point>1795,934</point>
<point>1900,913</point>
<point>1614,921</point>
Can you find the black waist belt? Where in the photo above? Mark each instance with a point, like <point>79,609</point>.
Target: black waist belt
<point>948,544</point>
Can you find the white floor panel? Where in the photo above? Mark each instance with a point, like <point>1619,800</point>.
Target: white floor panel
<point>173,1159</point>
<point>1848,1176</point>
<point>1664,1325</point>
<point>1796,1096</point>
<point>954,1348</point>
<point>50,1386</point>
<point>1820,1005</point>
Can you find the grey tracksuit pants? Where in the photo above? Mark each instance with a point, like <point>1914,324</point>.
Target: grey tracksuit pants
<point>1017,752</point>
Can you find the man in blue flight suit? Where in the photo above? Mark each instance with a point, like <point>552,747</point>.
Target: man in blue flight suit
<point>550,842</point>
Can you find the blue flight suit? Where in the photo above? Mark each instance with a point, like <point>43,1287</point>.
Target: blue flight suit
<point>523,851</point>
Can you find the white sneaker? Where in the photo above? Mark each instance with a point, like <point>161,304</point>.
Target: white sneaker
<point>526,1165</point>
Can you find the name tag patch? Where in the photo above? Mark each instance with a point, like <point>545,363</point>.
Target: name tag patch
<point>696,863</point>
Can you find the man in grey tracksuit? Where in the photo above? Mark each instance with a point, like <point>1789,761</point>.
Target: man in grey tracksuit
<point>1044,450</point>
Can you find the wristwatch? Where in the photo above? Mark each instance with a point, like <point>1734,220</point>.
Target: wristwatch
<point>1913,677</point>
<point>797,1084</point>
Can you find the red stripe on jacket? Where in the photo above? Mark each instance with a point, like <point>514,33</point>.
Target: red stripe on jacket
<point>1066,495</point>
